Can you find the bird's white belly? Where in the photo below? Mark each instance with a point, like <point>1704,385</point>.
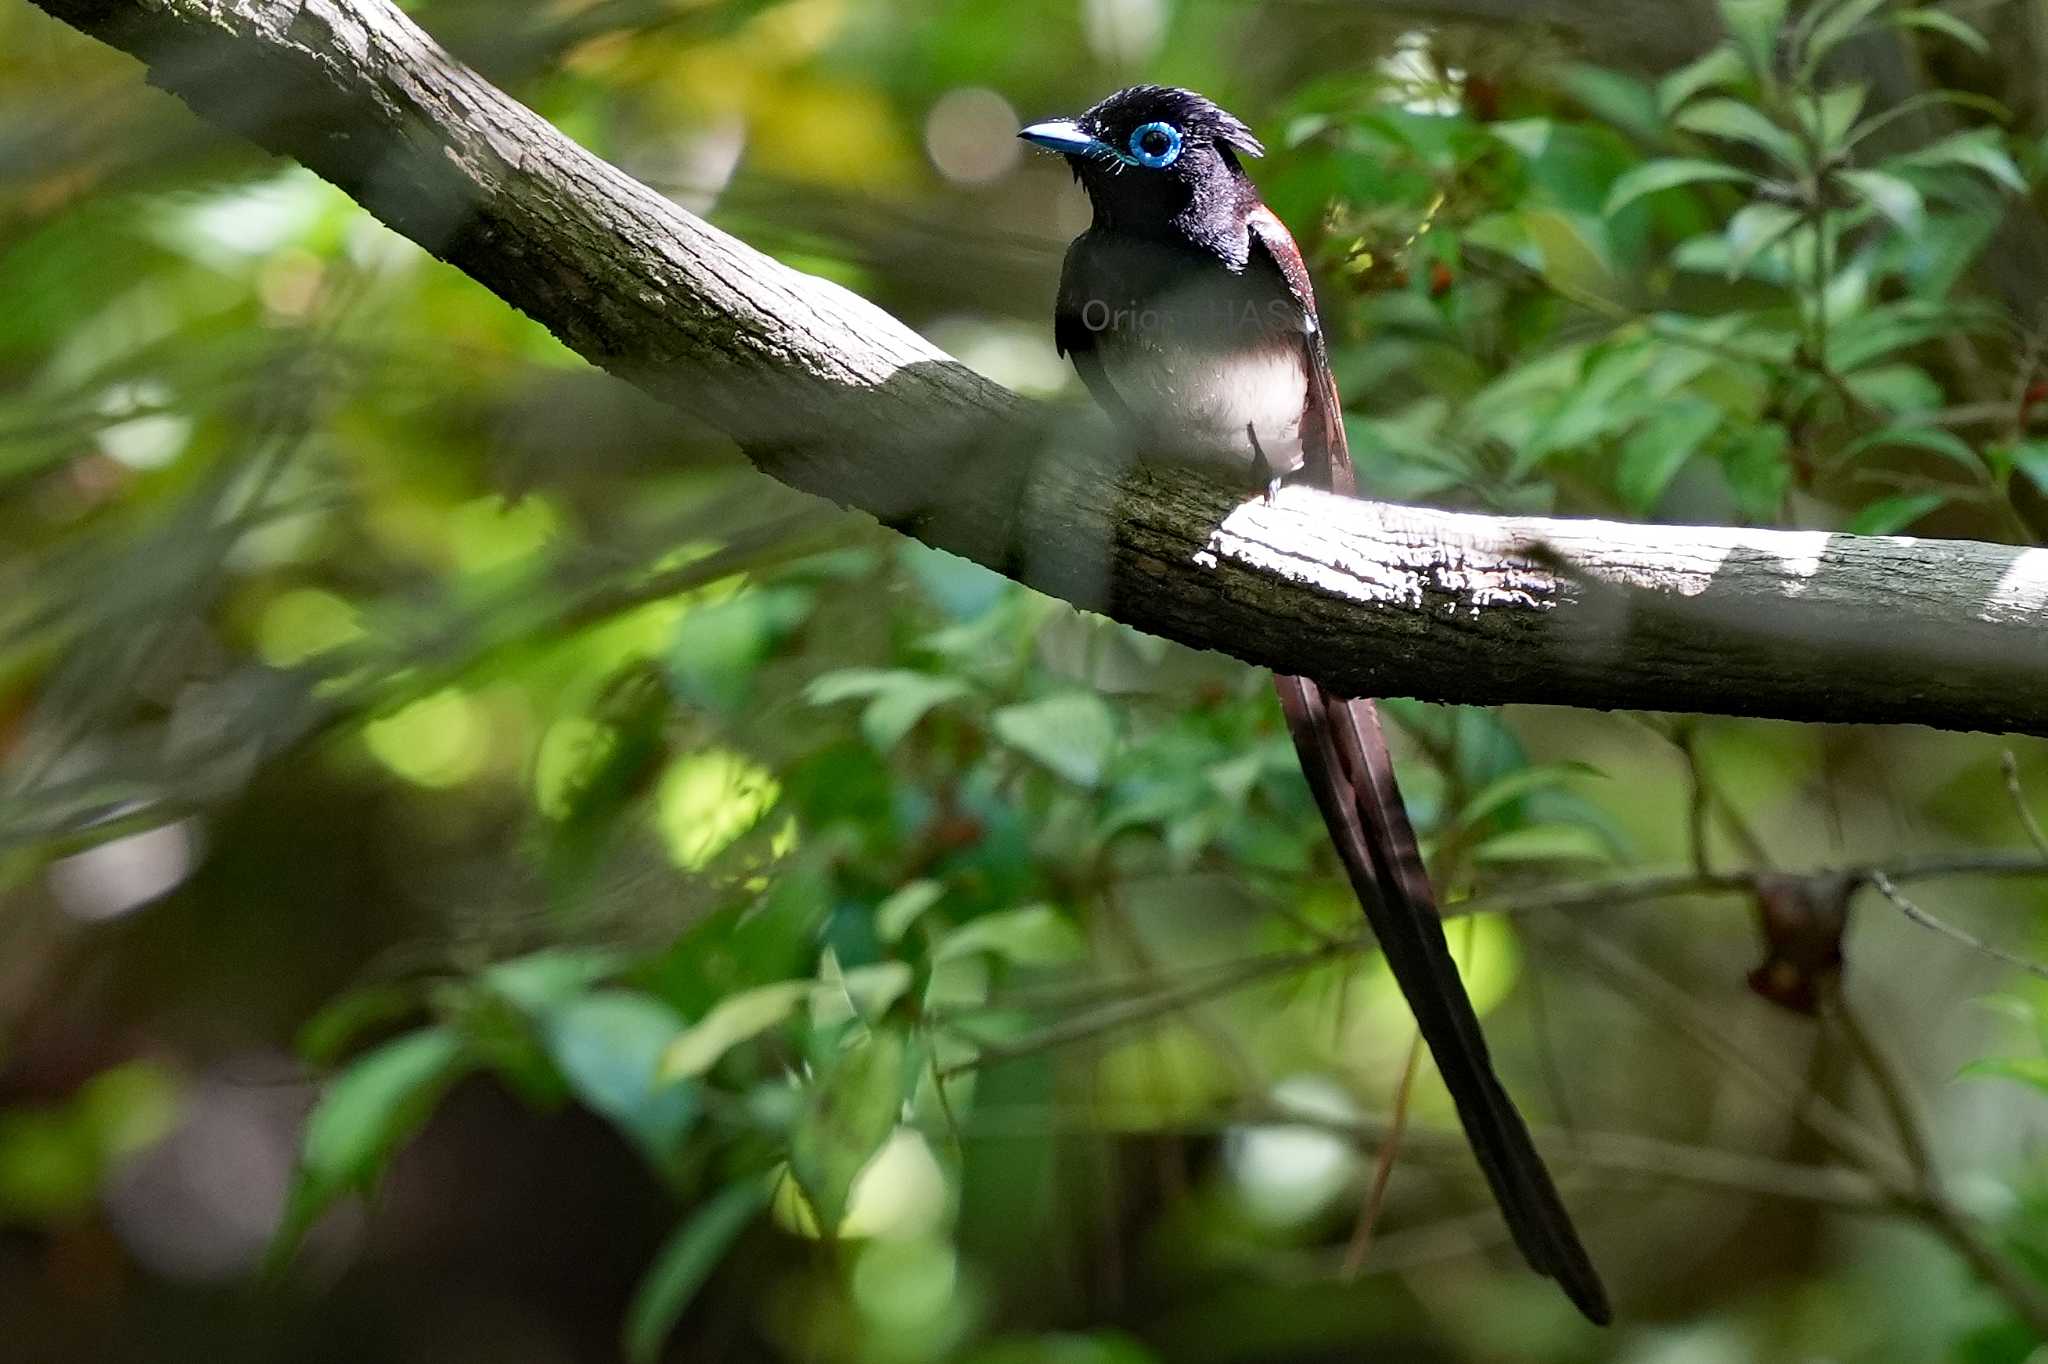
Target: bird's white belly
<point>1206,406</point>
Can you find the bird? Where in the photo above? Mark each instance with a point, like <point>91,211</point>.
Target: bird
<point>1187,310</point>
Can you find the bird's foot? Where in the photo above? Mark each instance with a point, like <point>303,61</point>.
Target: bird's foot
<point>1265,478</point>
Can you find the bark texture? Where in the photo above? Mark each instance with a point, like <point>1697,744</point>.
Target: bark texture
<point>832,395</point>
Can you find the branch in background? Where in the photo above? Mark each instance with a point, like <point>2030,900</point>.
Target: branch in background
<point>831,395</point>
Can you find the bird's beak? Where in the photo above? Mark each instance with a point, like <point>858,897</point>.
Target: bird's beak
<point>1061,135</point>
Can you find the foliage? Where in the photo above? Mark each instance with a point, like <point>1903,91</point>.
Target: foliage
<point>886,913</point>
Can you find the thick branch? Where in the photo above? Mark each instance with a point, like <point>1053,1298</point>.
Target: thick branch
<point>831,395</point>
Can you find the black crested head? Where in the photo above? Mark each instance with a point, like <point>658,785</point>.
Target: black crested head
<point>1157,159</point>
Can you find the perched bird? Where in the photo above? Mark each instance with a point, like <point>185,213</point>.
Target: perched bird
<point>1188,312</point>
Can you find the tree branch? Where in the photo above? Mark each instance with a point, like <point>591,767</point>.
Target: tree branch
<point>829,394</point>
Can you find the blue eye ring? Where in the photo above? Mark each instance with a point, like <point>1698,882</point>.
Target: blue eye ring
<point>1155,145</point>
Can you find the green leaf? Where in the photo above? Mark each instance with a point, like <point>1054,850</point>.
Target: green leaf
<point>897,698</point>
<point>683,1264</point>
<point>2027,1070</point>
<point>851,1110</point>
<point>1752,230</point>
<point>1896,388</point>
<point>1035,935</point>
<point>609,1046</point>
<point>1977,149</point>
<point>1933,439</point>
<point>865,992</point>
<point>733,1020</point>
<point>1652,456</point>
<point>1857,341</point>
<point>360,1119</point>
<point>1573,253</point>
<point>1529,136</point>
<point>1912,105</point>
<point>1942,22</point>
<point>894,916</point>
<point>1512,786</point>
<point>1722,66</point>
<point>1622,100</point>
<point>1757,470</point>
<point>1545,843</point>
<point>1754,25</point>
<point>343,1019</point>
<point>1668,173</point>
<point>1738,122</point>
<point>1890,515</point>
<point>1834,29</point>
<point>540,980</point>
<point>1891,196</point>
<point>720,645</point>
<point>1073,733</point>
<point>1829,116</point>
<point>2030,457</point>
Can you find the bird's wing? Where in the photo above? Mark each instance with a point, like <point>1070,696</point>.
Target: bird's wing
<point>1344,754</point>
<point>1326,454</point>
<point>1074,338</point>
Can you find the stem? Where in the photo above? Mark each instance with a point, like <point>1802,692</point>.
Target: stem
<point>1928,1202</point>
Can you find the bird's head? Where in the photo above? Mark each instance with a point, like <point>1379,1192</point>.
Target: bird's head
<point>1150,151</point>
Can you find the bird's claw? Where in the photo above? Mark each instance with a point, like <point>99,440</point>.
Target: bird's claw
<point>1264,476</point>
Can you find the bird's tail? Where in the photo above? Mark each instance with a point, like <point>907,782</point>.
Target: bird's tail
<point>1345,756</point>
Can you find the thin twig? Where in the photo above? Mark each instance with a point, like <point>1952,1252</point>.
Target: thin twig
<point>1912,911</point>
<point>1383,1165</point>
<point>1929,1203</point>
<point>1691,1021</point>
<point>2011,766</point>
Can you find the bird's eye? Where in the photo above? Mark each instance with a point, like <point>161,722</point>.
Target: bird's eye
<point>1155,144</point>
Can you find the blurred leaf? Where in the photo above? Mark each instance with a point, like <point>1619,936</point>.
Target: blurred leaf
<point>865,992</point>
<point>1754,25</point>
<point>1941,21</point>
<point>1034,935</point>
<point>733,1020</point>
<point>610,1045</point>
<point>361,1117</point>
<point>1890,515</point>
<point>541,980</point>
<point>1722,65</point>
<point>1757,470</point>
<point>1669,173</point>
<point>1978,150</point>
<point>1891,196</point>
<point>1730,119</point>
<point>1094,1347</point>
<point>1544,843</point>
<point>852,1108</point>
<point>1073,733</point>
<point>1933,439</point>
<point>2030,457</point>
<point>1753,229</point>
<point>1896,388</point>
<point>1619,99</point>
<point>1829,116</point>
<point>894,916</point>
<point>1652,456</point>
<point>960,587</point>
<point>1572,259</point>
<point>719,645</point>
<point>1840,20</point>
<point>1505,790</point>
<point>684,1262</point>
<point>897,698</point>
<point>2031,1071</point>
<point>1857,341</point>
<point>346,1017</point>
